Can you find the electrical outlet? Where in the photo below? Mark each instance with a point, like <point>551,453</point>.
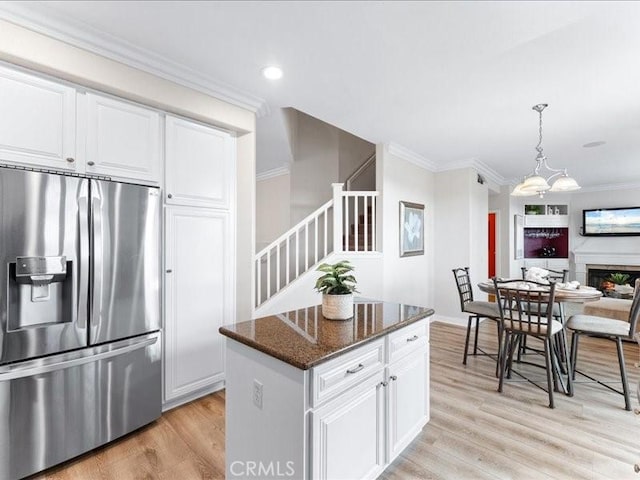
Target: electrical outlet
<point>257,394</point>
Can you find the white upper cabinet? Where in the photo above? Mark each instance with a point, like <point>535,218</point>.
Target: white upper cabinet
<point>123,140</point>
<point>199,164</point>
<point>37,121</point>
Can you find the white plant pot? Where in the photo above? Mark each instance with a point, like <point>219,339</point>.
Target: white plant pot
<point>337,307</point>
<point>624,289</point>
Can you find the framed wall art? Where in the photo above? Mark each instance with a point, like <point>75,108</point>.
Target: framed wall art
<point>411,229</point>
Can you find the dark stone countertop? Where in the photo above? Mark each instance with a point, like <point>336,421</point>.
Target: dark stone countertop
<point>304,338</point>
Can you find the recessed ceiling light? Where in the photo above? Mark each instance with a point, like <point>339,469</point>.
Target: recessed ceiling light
<point>272,72</point>
<point>594,144</point>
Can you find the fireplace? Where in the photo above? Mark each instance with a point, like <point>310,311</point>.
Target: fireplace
<point>598,275</point>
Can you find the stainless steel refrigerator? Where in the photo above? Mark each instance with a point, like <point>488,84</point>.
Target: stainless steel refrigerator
<point>79,315</point>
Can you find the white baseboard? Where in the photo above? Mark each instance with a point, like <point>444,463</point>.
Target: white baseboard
<point>176,402</point>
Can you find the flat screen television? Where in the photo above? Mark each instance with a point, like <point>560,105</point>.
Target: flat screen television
<point>611,222</point>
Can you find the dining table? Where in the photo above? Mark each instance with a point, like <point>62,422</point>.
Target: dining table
<point>569,293</point>
<point>582,294</point>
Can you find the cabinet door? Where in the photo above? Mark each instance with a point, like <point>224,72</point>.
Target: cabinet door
<point>123,140</point>
<point>199,164</point>
<point>37,121</point>
<point>199,295</point>
<point>408,405</point>
<point>348,434</point>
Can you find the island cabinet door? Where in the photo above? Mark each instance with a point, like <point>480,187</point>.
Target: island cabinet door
<point>408,400</point>
<point>348,434</point>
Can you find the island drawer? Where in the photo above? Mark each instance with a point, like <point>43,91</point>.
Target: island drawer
<point>338,375</point>
<point>407,339</point>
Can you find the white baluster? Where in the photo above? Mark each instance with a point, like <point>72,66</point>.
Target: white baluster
<point>315,241</point>
<point>337,217</point>
<point>268,275</point>
<point>288,256</point>
<point>259,278</point>
<point>356,222</point>
<point>278,268</point>
<point>306,247</point>
<point>326,219</point>
<point>297,254</point>
<point>374,236</point>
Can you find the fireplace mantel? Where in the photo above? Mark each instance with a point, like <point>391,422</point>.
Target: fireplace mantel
<point>581,259</point>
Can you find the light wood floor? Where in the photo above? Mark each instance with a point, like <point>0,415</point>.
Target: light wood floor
<point>474,432</point>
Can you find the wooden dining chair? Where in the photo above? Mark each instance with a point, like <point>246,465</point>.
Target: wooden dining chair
<point>609,329</point>
<point>477,310</point>
<point>525,312</point>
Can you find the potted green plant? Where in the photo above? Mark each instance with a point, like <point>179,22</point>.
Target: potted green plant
<point>337,286</point>
<point>621,281</point>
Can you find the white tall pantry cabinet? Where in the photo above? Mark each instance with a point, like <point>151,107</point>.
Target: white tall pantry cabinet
<point>199,239</point>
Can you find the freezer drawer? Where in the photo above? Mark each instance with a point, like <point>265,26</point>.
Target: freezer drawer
<point>56,408</point>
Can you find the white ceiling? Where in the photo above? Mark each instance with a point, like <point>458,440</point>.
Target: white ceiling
<point>453,82</point>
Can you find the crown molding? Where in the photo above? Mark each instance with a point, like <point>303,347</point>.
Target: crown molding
<point>608,188</point>
<point>274,172</point>
<point>84,36</point>
<point>481,167</point>
<point>410,156</point>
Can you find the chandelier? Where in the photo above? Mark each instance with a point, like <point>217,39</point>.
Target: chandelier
<point>544,178</point>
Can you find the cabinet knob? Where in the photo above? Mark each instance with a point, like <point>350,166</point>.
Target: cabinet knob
<point>70,159</point>
<point>412,339</point>
<point>91,163</point>
<point>383,384</point>
<point>393,378</point>
<point>169,270</point>
<point>169,195</point>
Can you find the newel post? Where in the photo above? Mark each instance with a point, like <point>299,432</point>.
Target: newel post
<point>337,216</point>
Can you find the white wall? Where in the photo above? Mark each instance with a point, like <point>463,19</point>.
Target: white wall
<point>322,155</point>
<point>408,279</point>
<point>605,199</point>
<point>314,167</point>
<point>32,50</point>
<point>352,152</point>
<point>273,199</point>
<point>462,206</point>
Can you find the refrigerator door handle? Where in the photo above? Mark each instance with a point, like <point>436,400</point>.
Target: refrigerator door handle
<point>16,371</point>
<point>97,242</point>
<point>83,267</point>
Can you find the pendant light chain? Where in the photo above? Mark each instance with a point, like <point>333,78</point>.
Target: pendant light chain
<point>539,146</point>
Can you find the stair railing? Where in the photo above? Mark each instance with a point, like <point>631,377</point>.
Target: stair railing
<point>360,170</point>
<point>327,230</point>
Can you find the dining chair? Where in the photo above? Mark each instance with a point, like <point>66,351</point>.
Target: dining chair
<point>609,329</point>
<point>555,276</point>
<point>477,310</point>
<point>558,308</point>
<point>525,312</point>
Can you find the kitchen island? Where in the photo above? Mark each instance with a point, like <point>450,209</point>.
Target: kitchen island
<point>311,398</point>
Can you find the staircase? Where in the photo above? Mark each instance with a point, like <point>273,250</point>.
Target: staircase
<point>345,224</point>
